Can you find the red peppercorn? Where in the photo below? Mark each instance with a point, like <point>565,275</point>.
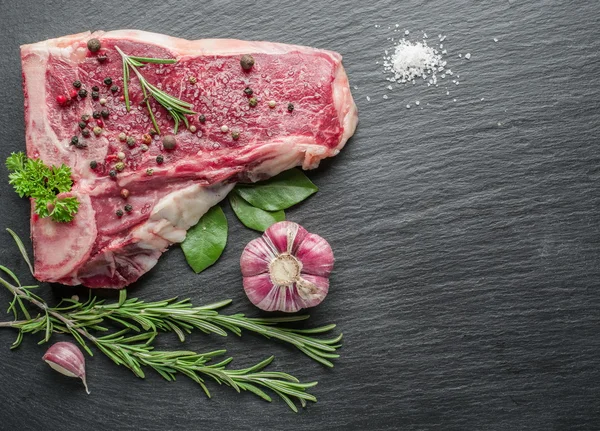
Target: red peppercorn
<point>73,94</point>
<point>61,99</point>
<point>99,122</point>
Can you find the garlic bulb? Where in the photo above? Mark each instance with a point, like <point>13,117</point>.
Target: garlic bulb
<point>287,268</point>
<point>67,359</point>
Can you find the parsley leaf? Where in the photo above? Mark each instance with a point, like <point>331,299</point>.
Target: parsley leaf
<point>32,178</point>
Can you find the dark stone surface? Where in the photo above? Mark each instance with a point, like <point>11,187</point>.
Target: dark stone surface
<point>466,233</point>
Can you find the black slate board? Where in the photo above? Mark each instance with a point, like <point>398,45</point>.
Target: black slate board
<point>466,233</point>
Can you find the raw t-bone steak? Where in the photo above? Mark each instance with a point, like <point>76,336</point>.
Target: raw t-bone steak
<point>99,248</point>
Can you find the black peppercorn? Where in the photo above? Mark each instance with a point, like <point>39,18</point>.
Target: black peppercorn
<point>290,107</point>
<point>96,114</point>
<point>119,213</point>
<point>95,88</point>
<point>202,118</point>
<point>93,45</point>
<point>112,173</point>
<point>95,95</point>
<point>247,61</point>
<point>85,133</point>
<point>77,84</point>
<point>102,58</point>
<point>169,142</point>
<point>93,164</point>
<point>160,159</point>
<point>82,124</point>
<point>105,113</point>
<point>114,88</point>
<point>74,140</point>
<point>108,81</point>
<point>128,208</point>
<point>82,92</point>
<point>248,91</point>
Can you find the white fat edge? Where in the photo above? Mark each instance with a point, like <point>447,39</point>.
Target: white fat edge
<point>344,105</point>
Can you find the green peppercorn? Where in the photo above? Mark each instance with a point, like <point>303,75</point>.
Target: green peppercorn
<point>202,118</point>
<point>112,173</point>
<point>85,133</point>
<point>74,140</point>
<point>93,164</point>
<point>93,45</point>
<point>192,79</point>
<point>149,172</point>
<point>130,142</point>
<point>128,208</point>
<point>96,114</point>
<point>97,130</point>
<point>290,107</point>
<point>253,102</point>
<point>102,58</point>
<point>82,124</point>
<point>95,88</point>
<point>247,61</point>
<point>235,135</point>
<point>160,159</point>
<point>108,81</point>
<point>114,88</point>
<point>86,118</point>
<point>119,166</point>
<point>248,91</point>
<point>105,113</point>
<point>95,95</point>
<point>119,213</point>
<point>169,142</point>
<point>77,84</point>
<point>82,92</point>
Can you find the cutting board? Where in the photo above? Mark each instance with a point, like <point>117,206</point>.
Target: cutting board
<point>465,228</point>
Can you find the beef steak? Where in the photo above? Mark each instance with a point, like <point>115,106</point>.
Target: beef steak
<point>99,248</point>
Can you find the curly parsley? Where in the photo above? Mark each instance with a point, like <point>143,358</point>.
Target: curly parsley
<point>32,178</point>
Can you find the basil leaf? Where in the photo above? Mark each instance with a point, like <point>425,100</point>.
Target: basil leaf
<point>278,193</point>
<point>252,217</point>
<point>205,242</point>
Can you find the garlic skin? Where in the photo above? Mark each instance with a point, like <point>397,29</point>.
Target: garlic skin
<point>286,269</point>
<point>67,359</point>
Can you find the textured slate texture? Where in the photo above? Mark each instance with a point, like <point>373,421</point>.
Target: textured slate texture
<point>466,233</point>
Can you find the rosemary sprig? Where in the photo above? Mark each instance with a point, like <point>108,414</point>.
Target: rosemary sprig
<point>178,109</point>
<point>141,321</point>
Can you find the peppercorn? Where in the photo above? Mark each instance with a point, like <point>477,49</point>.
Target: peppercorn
<point>105,113</point>
<point>124,193</point>
<point>224,129</point>
<point>169,142</point>
<point>119,166</point>
<point>95,95</point>
<point>114,88</point>
<point>128,208</point>
<point>153,132</point>
<point>93,45</point>
<point>290,107</point>
<point>74,140</point>
<point>253,102</point>
<point>149,172</point>
<point>95,88</point>
<point>85,133</point>
<point>247,61</point>
<point>119,213</point>
<point>144,147</point>
<point>93,164</point>
<point>272,103</point>
<point>112,173</point>
<point>99,122</point>
<point>97,131</point>
<point>103,101</point>
<point>130,142</point>
<point>86,118</point>
<point>235,135</point>
<point>146,138</point>
<point>202,118</point>
<point>77,84</point>
<point>61,99</point>
<point>248,91</point>
<point>160,159</point>
<point>192,79</point>
<point>102,58</point>
<point>96,114</point>
<point>81,145</point>
<point>82,124</point>
<point>122,137</point>
<point>121,155</point>
<point>82,92</point>
<point>73,93</point>
<point>108,81</point>
<point>193,129</point>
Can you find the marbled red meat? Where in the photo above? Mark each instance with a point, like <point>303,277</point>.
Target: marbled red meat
<point>100,249</point>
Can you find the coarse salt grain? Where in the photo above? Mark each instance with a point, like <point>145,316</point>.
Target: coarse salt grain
<point>468,55</point>
<point>412,60</point>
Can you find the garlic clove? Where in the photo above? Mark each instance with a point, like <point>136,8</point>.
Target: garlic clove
<point>67,359</point>
<point>257,288</point>
<point>316,256</point>
<point>312,289</point>
<point>256,257</point>
<point>286,236</point>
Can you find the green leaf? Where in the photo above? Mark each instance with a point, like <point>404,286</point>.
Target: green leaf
<point>252,217</point>
<point>278,193</point>
<point>205,241</point>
